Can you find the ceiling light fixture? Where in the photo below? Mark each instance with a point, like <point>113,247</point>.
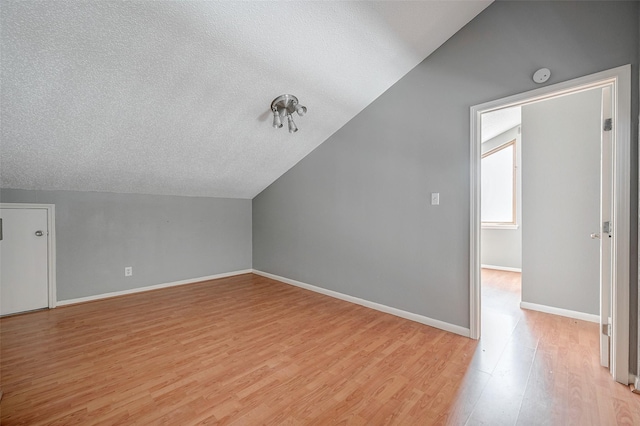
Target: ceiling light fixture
<point>285,105</point>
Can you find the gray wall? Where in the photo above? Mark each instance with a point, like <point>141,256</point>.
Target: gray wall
<point>503,247</point>
<point>164,238</point>
<point>561,203</point>
<point>354,216</point>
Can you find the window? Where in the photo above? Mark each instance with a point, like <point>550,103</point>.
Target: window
<point>498,186</point>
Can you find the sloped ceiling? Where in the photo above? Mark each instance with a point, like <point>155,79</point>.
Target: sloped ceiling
<point>497,122</point>
<point>173,97</point>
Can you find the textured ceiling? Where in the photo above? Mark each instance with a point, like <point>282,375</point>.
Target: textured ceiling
<point>499,121</point>
<point>173,97</point>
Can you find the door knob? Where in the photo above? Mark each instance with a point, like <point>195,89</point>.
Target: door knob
<point>39,233</point>
<point>595,236</point>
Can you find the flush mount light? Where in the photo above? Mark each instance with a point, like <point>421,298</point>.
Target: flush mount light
<point>542,75</point>
<point>285,105</point>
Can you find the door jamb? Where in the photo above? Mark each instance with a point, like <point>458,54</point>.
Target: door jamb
<point>620,79</point>
<point>51,244</point>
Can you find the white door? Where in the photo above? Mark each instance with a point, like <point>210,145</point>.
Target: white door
<point>561,194</point>
<point>23,260</point>
<point>605,232</point>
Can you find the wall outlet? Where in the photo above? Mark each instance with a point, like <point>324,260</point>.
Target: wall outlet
<point>128,271</point>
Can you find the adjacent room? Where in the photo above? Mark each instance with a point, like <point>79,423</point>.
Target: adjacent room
<point>270,212</point>
<point>553,261</point>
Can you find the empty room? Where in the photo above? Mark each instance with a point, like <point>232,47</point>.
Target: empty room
<point>292,212</point>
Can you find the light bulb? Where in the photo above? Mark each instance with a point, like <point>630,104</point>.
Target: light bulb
<point>277,123</point>
<point>292,125</point>
<point>301,110</point>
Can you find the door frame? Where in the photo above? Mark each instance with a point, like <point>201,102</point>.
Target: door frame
<point>620,80</point>
<point>51,244</point>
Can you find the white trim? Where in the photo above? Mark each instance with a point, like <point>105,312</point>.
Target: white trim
<point>501,268</point>
<point>151,287</point>
<point>559,311</point>
<point>504,227</point>
<point>51,218</point>
<point>51,244</point>
<point>620,79</point>
<point>621,225</point>
<point>373,305</point>
<point>637,377</point>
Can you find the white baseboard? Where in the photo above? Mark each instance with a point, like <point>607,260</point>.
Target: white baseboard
<point>635,383</point>
<point>373,305</point>
<point>501,268</point>
<point>559,311</point>
<point>151,287</point>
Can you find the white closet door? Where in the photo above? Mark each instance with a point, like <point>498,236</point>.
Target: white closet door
<point>23,260</point>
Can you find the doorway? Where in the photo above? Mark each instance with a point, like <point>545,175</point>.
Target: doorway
<point>27,257</point>
<point>618,80</point>
<point>501,231</point>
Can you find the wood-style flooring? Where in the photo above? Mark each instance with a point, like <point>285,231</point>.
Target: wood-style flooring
<point>248,350</point>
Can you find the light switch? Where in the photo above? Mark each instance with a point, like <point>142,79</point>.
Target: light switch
<point>435,198</point>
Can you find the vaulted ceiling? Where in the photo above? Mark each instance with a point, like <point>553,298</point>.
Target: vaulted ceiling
<point>173,97</point>
<point>499,121</point>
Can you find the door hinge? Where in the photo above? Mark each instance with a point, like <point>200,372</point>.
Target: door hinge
<point>606,329</point>
<point>608,125</point>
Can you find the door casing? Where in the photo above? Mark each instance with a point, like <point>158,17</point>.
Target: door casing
<point>51,244</point>
<point>620,80</point>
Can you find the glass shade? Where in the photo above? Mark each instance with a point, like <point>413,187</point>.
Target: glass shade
<point>292,125</point>
<point>301,110</point>
<point>277,123</point>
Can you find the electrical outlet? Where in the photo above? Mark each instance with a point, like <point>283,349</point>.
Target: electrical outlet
<point>128,271</point>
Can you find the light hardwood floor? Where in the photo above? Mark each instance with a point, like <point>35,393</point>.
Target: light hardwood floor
<point>249,350</point>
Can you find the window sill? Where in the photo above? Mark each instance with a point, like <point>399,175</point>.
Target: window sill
<point>500,227</point>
